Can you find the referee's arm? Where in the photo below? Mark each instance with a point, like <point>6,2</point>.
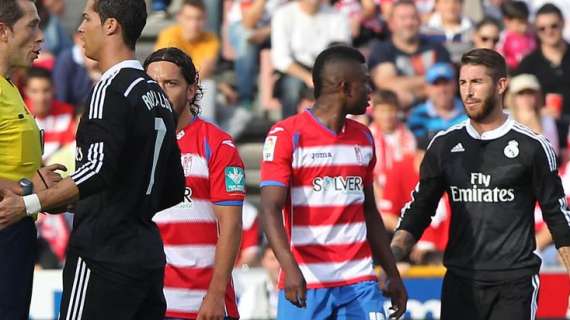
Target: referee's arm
<point>550,195</point>
<point>417,214</point>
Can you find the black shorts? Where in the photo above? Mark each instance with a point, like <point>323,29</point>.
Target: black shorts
<point>18,250</point>
<point>469,299</point>
<point>91,293</point>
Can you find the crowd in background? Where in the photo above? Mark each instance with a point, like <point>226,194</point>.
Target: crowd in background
<point>255,59</point>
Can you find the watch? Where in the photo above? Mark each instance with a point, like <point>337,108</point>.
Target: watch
<point>27,186</point>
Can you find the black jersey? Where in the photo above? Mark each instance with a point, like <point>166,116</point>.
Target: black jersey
<point>493,182</point>
<point>128,169</point>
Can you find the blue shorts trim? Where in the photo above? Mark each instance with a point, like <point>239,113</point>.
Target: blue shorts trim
<point>362,300</point>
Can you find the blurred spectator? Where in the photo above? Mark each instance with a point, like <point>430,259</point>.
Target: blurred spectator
<point>525,104</point>
<point>392,140</point>
<point>400,183</point>
<point>55,38</point>
<point>55,7</point>
<point>160,9</point>
<point>492,8</point>
<point>518,40</point>
<point>249,32</point>
<point>74,75</point>
<point>300,30</point>
<point>550,63</point>
<point>563,5</point>
<point>447,25</point>
<point>189,35</point>
<point>55,118</point>
<point>487,34</point>
<point>400,64</point>
<point>442,108</point>
<point>249,247</point>
<point>367,21</point>
<point>425,8</point>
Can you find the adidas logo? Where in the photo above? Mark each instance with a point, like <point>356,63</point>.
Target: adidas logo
<point>458,148</point>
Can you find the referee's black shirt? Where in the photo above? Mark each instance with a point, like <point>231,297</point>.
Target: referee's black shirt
<point>128,168</point>
<point>493,181</point>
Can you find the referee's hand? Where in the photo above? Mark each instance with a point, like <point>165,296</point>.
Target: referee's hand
<point>393,287</point>
<point>295,287</point>
<point>12,209</point>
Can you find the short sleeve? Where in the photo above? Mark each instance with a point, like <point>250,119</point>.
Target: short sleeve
<point>227,175</point>
<point>277,157</point>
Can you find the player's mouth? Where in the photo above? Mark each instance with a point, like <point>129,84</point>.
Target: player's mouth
<point>36,53</point>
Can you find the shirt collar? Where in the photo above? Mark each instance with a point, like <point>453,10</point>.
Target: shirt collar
<point>493,134</point>
<point>135,64</point>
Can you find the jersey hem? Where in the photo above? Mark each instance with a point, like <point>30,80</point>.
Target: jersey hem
<point>337,283</point>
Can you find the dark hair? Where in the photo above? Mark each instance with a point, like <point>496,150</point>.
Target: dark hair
<point>10,12</point>
<point>488,21</point>
<point>515,10</point>
<point>332,55</point>
<point>195,3</point>
<point>38,73</point>
<point>549,8</point>
<point>131,15</point>
<point>187,68</point>
<point>491,59</point>
<point>388,97</point>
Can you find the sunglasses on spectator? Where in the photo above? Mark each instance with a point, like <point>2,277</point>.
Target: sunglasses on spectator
<point>487,39</point>
<point>554,26</point>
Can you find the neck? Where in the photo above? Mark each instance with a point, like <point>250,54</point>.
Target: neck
<point>185,118</point>
<point>308,8</point>
<point>445,112</point>
<point>4,64</point>
<point>114,55</point>
<point>559,48</point>
<point>330,113</point>
<point>491,122</point>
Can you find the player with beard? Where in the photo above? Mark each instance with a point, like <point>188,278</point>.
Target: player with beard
<point>494,170</point>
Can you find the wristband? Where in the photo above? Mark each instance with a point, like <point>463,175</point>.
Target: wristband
<point>32,203</point>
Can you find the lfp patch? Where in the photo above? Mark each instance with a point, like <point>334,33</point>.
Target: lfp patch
<point>235,179</point>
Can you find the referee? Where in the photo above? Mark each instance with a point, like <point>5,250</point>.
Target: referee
<point>20,156</point>
<point>128,169</point>
<point>494,171</point>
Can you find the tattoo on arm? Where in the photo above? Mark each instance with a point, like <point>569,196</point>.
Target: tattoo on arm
<point>402,244</point>
<point>565,255</point>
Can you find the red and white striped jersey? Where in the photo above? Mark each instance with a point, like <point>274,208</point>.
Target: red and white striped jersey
<point>214,176</point>
<point>326,174</point>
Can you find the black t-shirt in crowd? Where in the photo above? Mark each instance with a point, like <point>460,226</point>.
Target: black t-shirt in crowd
<point>493,182</point>
<point>408,64</point>
<point>128,169</point>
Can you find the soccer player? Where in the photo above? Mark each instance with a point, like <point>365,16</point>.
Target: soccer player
<point>20,156</point>
<point>201,234</point>
<point>317,166</point>
<point>128,169</point>
<point>494,170</point>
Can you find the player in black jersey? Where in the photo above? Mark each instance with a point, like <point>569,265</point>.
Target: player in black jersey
<point>494,171</point>
<point>128,168</point>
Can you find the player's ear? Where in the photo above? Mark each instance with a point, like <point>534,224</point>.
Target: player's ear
<point>111,26</point>
<point>191,92</point>
<point>5,31</point>
<point>502,85</point>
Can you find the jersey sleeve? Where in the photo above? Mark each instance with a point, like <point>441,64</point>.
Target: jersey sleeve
<point>416,215</point>
<point>550,194</point>
<point>277,156</point>
<point>101,139</point>
<point>227,175</point>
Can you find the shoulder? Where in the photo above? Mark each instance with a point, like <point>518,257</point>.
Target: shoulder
<point>211,38</point>
<point>285,9</point>
<point>362,129</point>
<point>170,31</point>
<point>536,142</point>
<point>443,136</point>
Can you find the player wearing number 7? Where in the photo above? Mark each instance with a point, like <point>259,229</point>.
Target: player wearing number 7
<point>128,169</point>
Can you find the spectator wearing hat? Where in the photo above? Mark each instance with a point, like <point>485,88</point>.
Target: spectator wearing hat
<point>525,103</point>
<point>442,109</point>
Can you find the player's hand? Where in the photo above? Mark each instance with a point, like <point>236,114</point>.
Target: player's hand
<point>295,287</point>
<point>212,308</point>
<point>49,175</point>
<point>12,209</point>
<point>393,287</point>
